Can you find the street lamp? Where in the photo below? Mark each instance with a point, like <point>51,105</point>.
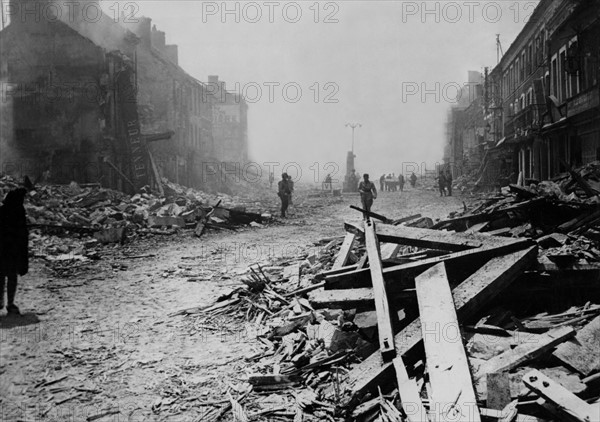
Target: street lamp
<point>353,126</point>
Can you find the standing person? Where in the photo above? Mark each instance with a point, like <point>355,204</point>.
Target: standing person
<point>449,182</point>
<point>413,179</point>
<point>442,183</point>
<point>291,186</point>
<point>283,191</point>
<point>271,179</point>
<point>327,185</point>
<point>401,182</point>
<point>368,192</point>
<point>14,241</point>
<point>382,182</point>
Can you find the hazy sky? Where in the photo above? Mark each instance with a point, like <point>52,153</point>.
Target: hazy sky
<point>355,64</point>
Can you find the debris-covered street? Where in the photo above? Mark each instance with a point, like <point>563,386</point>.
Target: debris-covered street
<point>103,337</point>
<point>292,211</point>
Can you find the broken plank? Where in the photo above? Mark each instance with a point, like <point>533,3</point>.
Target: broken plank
<point>405,219</point>
<point>409,394</point>
<point>476,228</point>
<point>431,239</point>
<point>447,365</point>
<point>351,298</point>
<point>306,289</point>
<point>371,214</point>
<point>509,413</point>
<point>583,354</point>
<point>580,180</point>
<point>470,296</point>
<point>269,382</point>
<point>524,352</point>
<point>560,396</point>
<point>384,321</point>
<point>403,272</point>
<point>344,253</point>
<point>479,218</point>
<point>389,251</point>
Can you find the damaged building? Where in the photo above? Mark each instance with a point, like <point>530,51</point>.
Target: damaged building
<point>541,108</point>
<point>101,101</point>
<point>464,128</point>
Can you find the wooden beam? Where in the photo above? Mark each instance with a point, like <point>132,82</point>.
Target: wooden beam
<point>344,253</point>
<point>384,321</point>
<point>524,352</point>
<point>470,296</point>
<point>352,298</point>
<point>405,219</point>
<point>404,274</point>
<point>389,250</point>
<point>453,394</point>
<point>409,394</point>
<point>583,354</point>
<point>156,173</point>
<point>480,218</point>
<point>580,180</point>
<point>371,214</point>
<point>560,396</point>
<point>431,239</point>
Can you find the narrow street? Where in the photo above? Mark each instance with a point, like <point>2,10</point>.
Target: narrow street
<point>102,342</point>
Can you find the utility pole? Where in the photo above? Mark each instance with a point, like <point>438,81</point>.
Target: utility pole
<point>353,126</point>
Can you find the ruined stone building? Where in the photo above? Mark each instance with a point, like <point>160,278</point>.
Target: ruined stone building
<point>104,100</point>
<point>542,107</point>
<point>464,128</point>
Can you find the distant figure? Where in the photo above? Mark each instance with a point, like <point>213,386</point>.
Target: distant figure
<point>13,246</point>
<point>401,182</point>
<point>283,191</point>
<point>271,179</point>
<point>413,179</point>
<point>449,182</point>
<point>291,186</point>
<point>382,183</point>
<point>327,183</point>
<point>442,183</point>
<point>368,192</point>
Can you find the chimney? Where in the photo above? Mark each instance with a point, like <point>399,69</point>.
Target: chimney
<point>217,88</point>
<point>158,39</point>
<point>172,53</point>
<point>144,31</point>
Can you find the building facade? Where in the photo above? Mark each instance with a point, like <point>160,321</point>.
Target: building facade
<point>107,102</point>
<point>541,100</point>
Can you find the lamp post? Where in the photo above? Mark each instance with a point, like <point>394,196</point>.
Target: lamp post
<point>353,126</point>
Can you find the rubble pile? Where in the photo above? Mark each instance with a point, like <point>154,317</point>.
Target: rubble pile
<point>68,222</point>
<point>395,322</point>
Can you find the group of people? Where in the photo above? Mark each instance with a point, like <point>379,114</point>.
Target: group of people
<point>391,183</point>
<point>445,183</point>
<point>13,246</point>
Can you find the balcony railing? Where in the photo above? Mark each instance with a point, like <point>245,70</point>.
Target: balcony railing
<point>525,121</point>
<point>583,101</point>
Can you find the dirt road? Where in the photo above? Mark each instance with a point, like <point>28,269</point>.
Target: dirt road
<point>100,342</point>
